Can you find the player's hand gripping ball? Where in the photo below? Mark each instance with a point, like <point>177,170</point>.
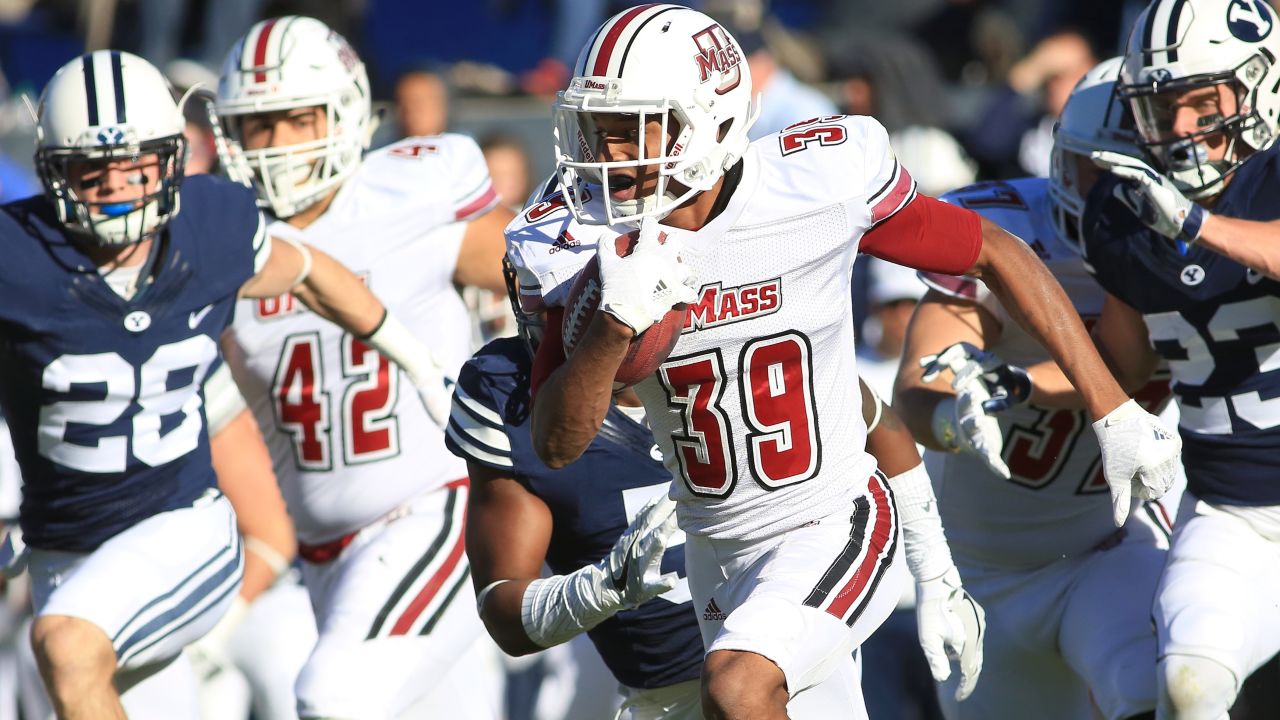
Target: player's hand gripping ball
<point>652,344</point>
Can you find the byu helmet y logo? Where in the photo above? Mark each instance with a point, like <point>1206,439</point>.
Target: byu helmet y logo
<point>1249,20</point>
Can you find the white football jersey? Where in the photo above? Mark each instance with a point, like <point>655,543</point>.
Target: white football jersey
<point>1057,503</point>
<point>348,434</point>
<point>757,410</point>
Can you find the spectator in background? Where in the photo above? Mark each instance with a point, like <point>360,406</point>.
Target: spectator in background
<point>935,159</point>
<point>785,99</point>
<point>1014,135</point>
<point>422,102</point>
<point>893,294</point>
<point>509,167</point>
<point>162,23</point>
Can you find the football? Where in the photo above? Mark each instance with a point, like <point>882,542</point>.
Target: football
<point>648,350</point>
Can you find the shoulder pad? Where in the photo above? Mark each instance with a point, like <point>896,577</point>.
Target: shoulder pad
<point>549,246</point>
<point>449,166</point>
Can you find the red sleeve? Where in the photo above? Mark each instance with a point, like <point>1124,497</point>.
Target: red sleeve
<point>928,235</point>
<point>550,353</point>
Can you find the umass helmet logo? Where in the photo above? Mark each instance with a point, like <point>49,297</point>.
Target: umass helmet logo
<point>1249,20</point>
<point>718,54</point>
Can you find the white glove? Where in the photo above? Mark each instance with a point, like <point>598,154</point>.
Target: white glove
<point>962,424</point>
<point>401,346</point>
<point>950,622</point>
<point>211,654</point>
<point>1153,197</point>
<point>1009,385</point>
<point>641,288</point>
<point>1140,456</point>
<point>13,552</point>
<point>951,625</point>
<point>557,608</point>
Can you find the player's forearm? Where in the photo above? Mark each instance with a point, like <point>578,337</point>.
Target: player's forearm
<point>892,444</point>
<point>1253,244</point>
<point>335,293</point>
<point>501,616</point>
<point>1032,297</point>
<point>916,404</point>
<point>570,406</point>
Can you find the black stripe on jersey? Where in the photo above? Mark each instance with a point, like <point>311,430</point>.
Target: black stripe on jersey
<point>407,581</point>
<point>1171,34</point>
<point>1156,519</point>
<point>893,178</point>
<point>1149,32</point>
<point>117,79</point>
<point>448,599</point>
<point>885,563</point>
<point>623,63</point>
<point>90,89</point>
<point>850,553</point>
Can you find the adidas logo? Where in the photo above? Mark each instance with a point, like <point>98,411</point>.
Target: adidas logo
<point>713,613</point>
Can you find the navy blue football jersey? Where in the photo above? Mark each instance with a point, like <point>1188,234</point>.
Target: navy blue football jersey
<point>1215,321</point>
<point>592,501</point>
<point>103,394</point>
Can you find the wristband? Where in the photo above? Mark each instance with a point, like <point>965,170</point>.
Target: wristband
<point>928,556</point>
<point>484,594</point>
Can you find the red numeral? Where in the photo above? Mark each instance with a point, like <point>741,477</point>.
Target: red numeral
<point>369,427</point>
<point>1035,452</point>
<point>368,423</point>
<point>798,137</point>
<point>993,194</point>
<point>704,448</point>
<point>302,408</point>
<point>780,409</point>
<point>776,378</point>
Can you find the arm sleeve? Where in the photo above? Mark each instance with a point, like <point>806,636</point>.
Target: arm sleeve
<point>929,235</point>
<point>550,351</point>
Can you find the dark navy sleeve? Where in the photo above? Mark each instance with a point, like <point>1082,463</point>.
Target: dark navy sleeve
<point>490,416</point>
<point>221,219</point>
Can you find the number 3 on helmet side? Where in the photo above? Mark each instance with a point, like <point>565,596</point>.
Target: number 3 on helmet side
<point>776,385</point>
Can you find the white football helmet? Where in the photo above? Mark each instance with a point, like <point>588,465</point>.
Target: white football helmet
<point>1094,119</point>
<point>662,61</point>
<point>110,105</point>
<point>1181,45</point>
<point>284,64</point>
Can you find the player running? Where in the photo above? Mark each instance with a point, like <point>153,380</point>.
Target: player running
<point>112,303</point>
<point>791,532</point>
<point>1186,249</point>
<point>636,612</point>
<point>376,498</point>
<point>1024,499</point>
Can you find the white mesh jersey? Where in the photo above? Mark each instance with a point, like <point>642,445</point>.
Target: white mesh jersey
<point>1057,503</point>
<point>348,435</point>
<point>757,410</point>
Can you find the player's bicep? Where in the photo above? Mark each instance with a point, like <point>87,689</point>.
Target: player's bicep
<point>479,261</point>
<point>927,234</point>
<point>278,273</point>
<point>508,527</point>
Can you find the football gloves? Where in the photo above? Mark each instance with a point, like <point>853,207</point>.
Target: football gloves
<point>1153,197</point>
<point>965,423</point>
<point>557,608</point>
<point>401,346</point>
<point>1140,456</point>
<point>641,288</point>
<point>951,625</point>
<point>950,622</point>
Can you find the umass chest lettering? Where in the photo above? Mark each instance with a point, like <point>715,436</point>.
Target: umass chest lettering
<point>717,305</point>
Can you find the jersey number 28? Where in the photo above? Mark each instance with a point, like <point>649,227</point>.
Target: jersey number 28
<point>148,386</point>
